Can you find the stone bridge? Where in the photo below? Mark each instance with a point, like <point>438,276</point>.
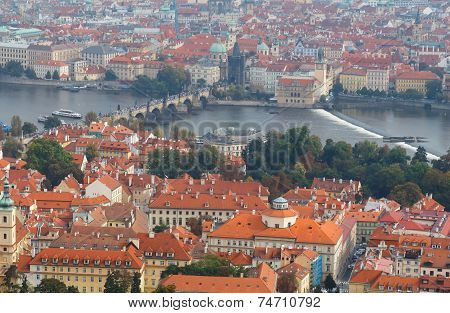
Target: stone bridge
<point>184,102</point>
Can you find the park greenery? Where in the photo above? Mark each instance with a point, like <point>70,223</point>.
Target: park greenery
<point>12,148</point>
<point>295,157</point>
<point>211,265</point>
<point>50,159</point>
<point>169,81</point>
<point>120,282</point>
<point>52,122</point>
<point>238,93</point>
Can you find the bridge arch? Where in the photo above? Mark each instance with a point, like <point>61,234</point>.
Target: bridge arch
<point>157,113</point>
<point>140,116</point>
<point>188,104</point>
<point>172,107</point>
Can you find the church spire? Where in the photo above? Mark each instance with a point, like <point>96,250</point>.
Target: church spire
<point>6,203</point>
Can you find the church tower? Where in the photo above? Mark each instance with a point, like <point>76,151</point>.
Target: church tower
<point>8,246</point>
<point>320,71</point>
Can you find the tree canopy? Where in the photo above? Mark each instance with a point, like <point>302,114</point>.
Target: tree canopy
<point>50,159</point>
<point>211,265</point>
<point>118,282</point>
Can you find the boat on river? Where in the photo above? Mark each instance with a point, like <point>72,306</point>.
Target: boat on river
<point>66,113</point>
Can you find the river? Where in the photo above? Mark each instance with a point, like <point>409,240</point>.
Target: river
<point>351,125</point>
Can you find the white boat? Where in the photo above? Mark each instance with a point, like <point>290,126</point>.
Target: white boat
<point>42,118</point>
<point>66,113</point>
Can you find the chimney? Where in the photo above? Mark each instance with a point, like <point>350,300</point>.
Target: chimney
<point>340,181</point>
<point>205,250</point>
<point>151,234</point>
<point>130,179</point>
<point>253,212</point>
<point>177,235</point>
<point>152,179</point>
<point>334,180</point>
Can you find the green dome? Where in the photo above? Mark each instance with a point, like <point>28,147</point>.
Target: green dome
<point>218,47</point>
<point>6,202</point>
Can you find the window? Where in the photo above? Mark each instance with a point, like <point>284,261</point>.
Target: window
<point>5,219</point>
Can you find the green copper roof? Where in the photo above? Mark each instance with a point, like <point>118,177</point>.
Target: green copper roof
<point>6,202</point>
<point>218,47</point>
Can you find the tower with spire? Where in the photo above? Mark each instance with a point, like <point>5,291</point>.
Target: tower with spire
<point>8,231</point>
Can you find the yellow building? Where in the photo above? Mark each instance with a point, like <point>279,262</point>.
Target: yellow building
<point>353,79</point>
<point>415,81</point>
<point>86,270</point>
<point>161,250</point>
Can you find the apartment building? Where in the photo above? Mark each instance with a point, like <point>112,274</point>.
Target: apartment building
<point>415,81</point>
<point>86,270</point>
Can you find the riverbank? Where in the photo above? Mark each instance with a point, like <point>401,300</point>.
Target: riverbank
<point>351,101</point>
<point>57,83</point>
<point>243,103</point>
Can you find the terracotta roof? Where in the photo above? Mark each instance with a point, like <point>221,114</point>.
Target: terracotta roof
<point>425,75</point>
<point>265,282</point>
<point>70,255</point>
<point>163,246</point>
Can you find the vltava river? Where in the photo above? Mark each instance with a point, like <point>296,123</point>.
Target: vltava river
<point>31,101</point>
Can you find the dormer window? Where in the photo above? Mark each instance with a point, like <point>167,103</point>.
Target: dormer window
<point>170,254</point>
<point>147,253</point>
<point>107,262</point>
<point>97,262</point>
<point>158,253</point>
<point>44,260</point>
<point>86,262</point>
<point>55,260</point>
<point>118,262</point>
<point>75,262</point>
<point>206,205</point>
<point>381,287</point>
<point>128,263</point>
<point>65,260</point>
<point>167,203</point>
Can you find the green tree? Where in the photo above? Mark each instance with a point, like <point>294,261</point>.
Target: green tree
<point>110,75</point>
<point>52,122</point>
<point>72,289</point>
<point>420,155</point>
<point>90,117</point>
<point>10,278</point>
<point>443,163</point>
<point>14,68</point>
<point>165,289</point>
<point>55,75</point>
<point>29,128</point>
<point>24,286</point>
<point>91,152</point>
<point>12,148</point>
<point>30,73</point>
<point>48,75</point>
<point>175,79</point>
<point>337,89</point>
<point>434,89</point>
<point>16,126</point>
<point>211,265</point>
<point>160,228</point>
<point>287,283</point>
<point>201,83</point>
<point>329,283</point>
<point>118,282</point>
<point>51,285</point>
<point>406,194</point>
<point>50,159</point>
<point>136,284</point>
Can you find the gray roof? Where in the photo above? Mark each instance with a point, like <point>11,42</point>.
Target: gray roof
<point>99,50</point>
